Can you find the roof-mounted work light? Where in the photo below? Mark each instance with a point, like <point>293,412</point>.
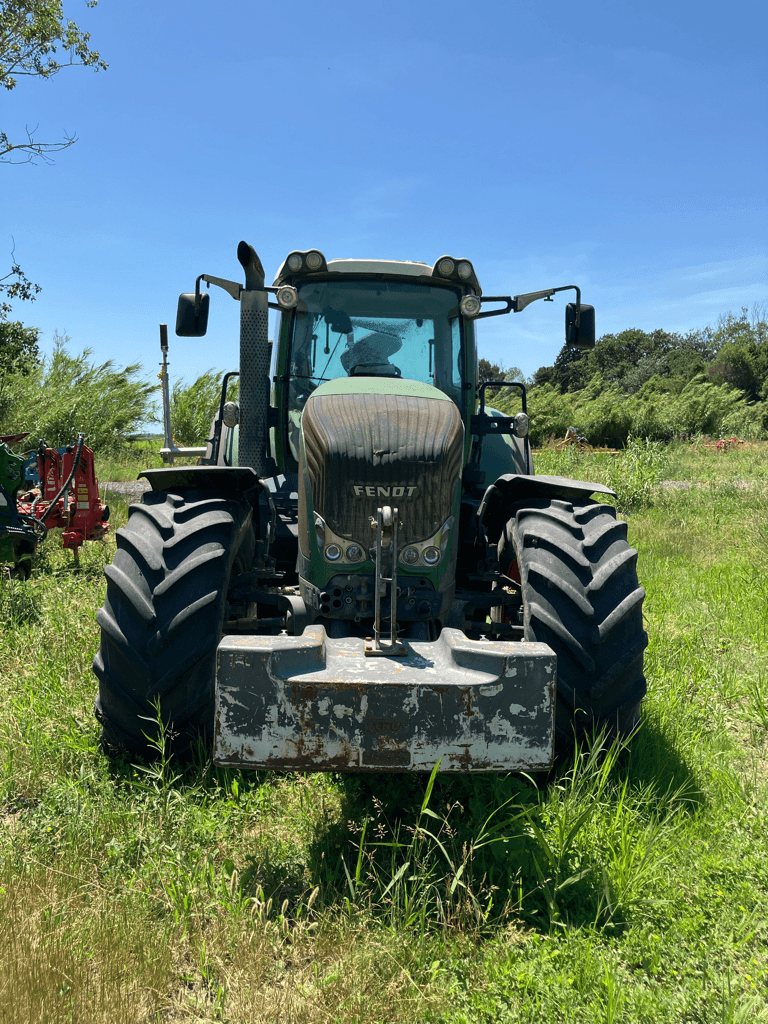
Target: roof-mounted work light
<point>460,271</point>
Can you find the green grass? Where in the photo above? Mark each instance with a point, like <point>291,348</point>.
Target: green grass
<point>625,886</point>
<point>141,455</point>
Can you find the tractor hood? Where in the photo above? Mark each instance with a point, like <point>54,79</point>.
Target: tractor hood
<point>375,441</point>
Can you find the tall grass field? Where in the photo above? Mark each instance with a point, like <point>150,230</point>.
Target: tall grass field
<point>629,884</point>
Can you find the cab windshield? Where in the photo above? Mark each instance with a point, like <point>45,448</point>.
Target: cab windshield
<point>375,328</point>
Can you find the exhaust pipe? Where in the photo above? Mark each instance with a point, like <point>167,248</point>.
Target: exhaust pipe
<point>254,363</point>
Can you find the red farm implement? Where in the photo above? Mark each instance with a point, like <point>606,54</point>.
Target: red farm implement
<point>66,497</point>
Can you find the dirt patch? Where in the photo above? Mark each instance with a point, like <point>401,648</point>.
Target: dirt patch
<point>132,489</point>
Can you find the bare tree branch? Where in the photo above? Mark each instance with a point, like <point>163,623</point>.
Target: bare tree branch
<point>31,34</point>
<point>30,151</point>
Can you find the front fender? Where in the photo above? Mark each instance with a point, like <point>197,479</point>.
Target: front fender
<point>231,479</point>
<point>517,488</point>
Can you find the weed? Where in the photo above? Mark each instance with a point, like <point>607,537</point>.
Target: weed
<point>637,474</point>
<point>19,603</point>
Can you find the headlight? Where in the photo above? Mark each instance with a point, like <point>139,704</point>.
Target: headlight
<point>431,555</point>
<point>470,305</point>
<point>410,556</point>
<point>333,552</point>
<point>355,553</point>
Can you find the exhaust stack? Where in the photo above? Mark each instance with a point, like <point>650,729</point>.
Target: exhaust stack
<point>254,363</point>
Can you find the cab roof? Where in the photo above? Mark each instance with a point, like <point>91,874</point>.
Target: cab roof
<point>389,268</point>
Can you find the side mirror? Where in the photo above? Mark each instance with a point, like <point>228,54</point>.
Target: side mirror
<point>583,335</point>
<point>191,322</point>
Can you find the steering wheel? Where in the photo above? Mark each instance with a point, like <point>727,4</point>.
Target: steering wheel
<point>368,370</point>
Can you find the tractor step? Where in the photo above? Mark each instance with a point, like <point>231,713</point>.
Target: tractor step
<point>312,703</point>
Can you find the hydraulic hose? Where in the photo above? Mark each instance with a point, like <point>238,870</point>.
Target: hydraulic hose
<point>272,529</point>
<point>491,494</point>
<point>35,524</point>
<point>78,449</point>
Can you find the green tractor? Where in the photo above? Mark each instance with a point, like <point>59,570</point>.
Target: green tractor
<point>364,573</point>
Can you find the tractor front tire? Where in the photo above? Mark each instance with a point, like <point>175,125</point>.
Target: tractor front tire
<point>163,617</point>
<point>581,596</point>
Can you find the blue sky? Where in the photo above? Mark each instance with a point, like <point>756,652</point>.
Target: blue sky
<point>618,146</point>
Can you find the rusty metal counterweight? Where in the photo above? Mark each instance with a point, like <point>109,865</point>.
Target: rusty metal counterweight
<point>315,703</point>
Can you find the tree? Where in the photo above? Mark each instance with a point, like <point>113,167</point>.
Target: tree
<point>19,352</point>
<point>631,358</point>
<point>488,371</point>
<point>493,371</point>
<point>742,353</point>
<point>31,34</point>
<point>15,285</point>
<point>19,357</point>
<point>571,371</point>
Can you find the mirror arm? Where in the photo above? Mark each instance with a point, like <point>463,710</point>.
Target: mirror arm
<point>519,302</point>
<point>197,295</point>
<point>509,306</point>
<point>231,287</point>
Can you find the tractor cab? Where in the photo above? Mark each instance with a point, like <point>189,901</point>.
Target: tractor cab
<point>369,319</point>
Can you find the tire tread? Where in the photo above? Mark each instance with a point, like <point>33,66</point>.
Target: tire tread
<point>163,615</point>
<point>581,596</point>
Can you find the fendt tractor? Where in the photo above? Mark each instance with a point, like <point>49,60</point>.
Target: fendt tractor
<point>363,573</point>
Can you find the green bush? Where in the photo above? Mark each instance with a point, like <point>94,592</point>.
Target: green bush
<point>67,393</point>
<point>193,407</point>
<point>663,409</point>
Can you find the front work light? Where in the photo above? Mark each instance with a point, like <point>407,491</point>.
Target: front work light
<point>287,296</point>
<point>314,260</point>
<point>520,424</point>
<point>470,306</point>
<point>465,270</point>
<point>231,414</point>
<point>446,267</point>
<point>295,262</point>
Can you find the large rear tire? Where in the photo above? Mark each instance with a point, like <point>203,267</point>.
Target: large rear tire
<point>581,596</point>
<point>163,616</point>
